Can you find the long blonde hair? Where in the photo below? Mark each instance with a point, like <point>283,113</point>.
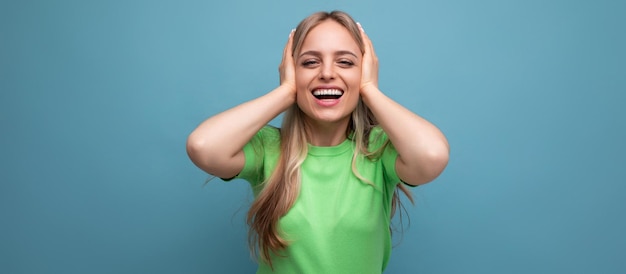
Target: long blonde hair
<point>281,189</point>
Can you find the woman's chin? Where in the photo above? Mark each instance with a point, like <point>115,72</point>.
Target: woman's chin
<point>328,118</point>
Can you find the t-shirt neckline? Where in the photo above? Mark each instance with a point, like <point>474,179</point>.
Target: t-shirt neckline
<point>330,150</point>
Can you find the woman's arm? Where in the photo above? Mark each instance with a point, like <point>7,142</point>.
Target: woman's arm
<point>423,149</point>
<point>216,145</point>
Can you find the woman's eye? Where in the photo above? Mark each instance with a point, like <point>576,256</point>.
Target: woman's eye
<point>346,63</point>
<point>308,63</point>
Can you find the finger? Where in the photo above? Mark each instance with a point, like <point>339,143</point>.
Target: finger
<point>287,51</point>
<point>363,34</point>
<point>369,47</point>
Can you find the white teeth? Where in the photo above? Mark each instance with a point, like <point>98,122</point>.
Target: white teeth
<point>320,92</point>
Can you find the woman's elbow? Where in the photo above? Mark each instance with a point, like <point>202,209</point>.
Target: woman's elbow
<point>213,159</point>
<point>438,161</point>
<point>196,150</point>
<point>428,166</point>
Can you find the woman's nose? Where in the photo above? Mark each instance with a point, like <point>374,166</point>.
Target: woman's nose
<point>327,71</point>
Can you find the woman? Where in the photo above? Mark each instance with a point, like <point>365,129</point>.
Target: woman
<point>325,182</point>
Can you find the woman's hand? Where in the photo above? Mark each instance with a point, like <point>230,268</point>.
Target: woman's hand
<point>369,65</point>
<point>287,68</point>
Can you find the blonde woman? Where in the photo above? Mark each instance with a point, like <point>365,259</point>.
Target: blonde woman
<point>325,182</point>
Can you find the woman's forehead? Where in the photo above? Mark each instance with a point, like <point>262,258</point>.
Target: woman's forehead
<point>329,36</point>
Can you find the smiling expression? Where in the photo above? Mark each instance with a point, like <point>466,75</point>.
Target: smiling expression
<point>328,74</point>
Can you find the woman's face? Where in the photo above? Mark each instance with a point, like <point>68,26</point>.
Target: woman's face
<point>328,73</point>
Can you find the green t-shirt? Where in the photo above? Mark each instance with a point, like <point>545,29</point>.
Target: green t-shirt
<point>338,224</point>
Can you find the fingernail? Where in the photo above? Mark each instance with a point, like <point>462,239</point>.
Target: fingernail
<point>359,24</point>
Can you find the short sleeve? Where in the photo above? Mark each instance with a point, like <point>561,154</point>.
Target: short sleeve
<point>388,155</point>
<point>264,145</point>
<point>389,158</point>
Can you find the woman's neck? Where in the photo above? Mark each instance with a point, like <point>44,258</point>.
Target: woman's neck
<point>326,134</point>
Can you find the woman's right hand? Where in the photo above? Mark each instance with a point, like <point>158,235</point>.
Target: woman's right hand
<point>287,68</point>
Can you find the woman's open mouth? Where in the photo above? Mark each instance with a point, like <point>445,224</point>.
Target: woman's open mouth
<point>327,94</point>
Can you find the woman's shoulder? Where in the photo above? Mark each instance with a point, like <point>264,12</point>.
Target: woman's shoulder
<point>376,130</point>
<point>377,136</point>
<point>267,136</point>
<point>269,132</point>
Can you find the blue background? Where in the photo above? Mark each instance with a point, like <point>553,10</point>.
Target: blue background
<point>98,97</point>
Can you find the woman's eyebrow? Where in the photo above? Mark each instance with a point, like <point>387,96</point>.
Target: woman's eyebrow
<point>337,53</point>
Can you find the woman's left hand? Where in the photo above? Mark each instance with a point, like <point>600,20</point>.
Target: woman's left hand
<point>369,65</point>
